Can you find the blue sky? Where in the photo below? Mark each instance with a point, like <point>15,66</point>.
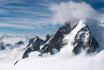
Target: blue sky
<point>32,16</point>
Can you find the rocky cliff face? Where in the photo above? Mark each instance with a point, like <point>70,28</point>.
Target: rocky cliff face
<point>34,45</point>
<point>83,40</point>
<point>56,42</point>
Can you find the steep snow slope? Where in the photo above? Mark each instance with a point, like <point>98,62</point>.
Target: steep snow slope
<point>82,39</point>
<point>70,37</point>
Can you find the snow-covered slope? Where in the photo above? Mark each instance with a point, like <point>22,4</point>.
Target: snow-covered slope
<point>64,60</point>
<point>82,39</point>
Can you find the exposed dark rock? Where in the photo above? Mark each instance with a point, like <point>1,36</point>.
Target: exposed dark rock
<point>20,43</point>
<point>25,55</point>
<point>8,44</point>
<point>36,43</point>
<point>47,37</point>
<point>2,47</point>
<point>57,41</point>
<point>84,40</point>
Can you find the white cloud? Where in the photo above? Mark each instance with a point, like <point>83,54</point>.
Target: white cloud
<point>28,23</point>
<point>63,61</point>
<point>16,26</point>
<point>72,11</point>
<point>34,17</point>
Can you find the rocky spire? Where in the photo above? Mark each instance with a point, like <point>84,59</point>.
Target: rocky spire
<point>84,40</point>
<point>57,41</point>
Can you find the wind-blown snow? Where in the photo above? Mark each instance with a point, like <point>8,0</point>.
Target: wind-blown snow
<point>72,11</point>
<point>70,37</point>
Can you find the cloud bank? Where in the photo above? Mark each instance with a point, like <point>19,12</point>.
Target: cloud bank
<point>63,61</point>
<point>72,11</point>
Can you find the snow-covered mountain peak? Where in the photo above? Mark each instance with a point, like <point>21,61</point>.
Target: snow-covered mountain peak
<point>81,38</point>
<point>82,23</point>
<point>66,41</point>
<point>76,28</point>
<point>78,38</point>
